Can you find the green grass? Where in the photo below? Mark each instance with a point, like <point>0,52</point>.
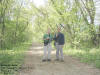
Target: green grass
<point>11,60</point>
<point>90,56</point>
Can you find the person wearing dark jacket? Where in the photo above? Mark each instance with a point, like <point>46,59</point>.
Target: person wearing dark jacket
<point>59,43</point>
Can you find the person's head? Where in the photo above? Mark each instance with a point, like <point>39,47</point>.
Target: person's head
<point>48,31</point>
<point>59,29</point>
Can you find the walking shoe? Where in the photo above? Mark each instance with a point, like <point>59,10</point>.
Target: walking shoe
<point>62,60</point>
<point>43,60</point>
<point>56,59</point>
<point>49,59</point>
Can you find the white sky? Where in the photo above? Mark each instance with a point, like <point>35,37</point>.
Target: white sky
<point>39,2</point>
<point>97,18</point>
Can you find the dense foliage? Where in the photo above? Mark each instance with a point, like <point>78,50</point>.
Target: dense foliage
<point>76,18</point>
<point>15,26</point>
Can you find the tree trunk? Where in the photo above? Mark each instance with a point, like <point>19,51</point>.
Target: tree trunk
<point>3,32</point>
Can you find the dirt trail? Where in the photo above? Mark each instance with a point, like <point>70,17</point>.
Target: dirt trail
<point>34,66</point>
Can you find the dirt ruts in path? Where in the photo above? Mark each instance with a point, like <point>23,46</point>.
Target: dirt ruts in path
<point>34,66</point>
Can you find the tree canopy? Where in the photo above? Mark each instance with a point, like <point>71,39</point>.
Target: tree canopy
<point>22,20</point>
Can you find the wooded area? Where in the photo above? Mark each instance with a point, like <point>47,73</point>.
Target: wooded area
<point>15,26</point>
<point>21,23</point>
<point>75,17</point>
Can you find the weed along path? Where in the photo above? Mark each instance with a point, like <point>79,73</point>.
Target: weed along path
<point>34,66</point>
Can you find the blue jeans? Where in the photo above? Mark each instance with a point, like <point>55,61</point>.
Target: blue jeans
<point>59,52</point>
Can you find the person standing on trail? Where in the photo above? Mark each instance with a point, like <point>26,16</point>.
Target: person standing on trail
<point>59,43</point>
<point>47,46</point>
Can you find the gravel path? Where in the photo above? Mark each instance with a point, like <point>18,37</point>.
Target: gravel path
<point>34,66</point>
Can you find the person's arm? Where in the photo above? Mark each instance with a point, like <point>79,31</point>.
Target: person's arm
<point>56,35</point>
<point>45,37</point>
<point>63,38</point>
